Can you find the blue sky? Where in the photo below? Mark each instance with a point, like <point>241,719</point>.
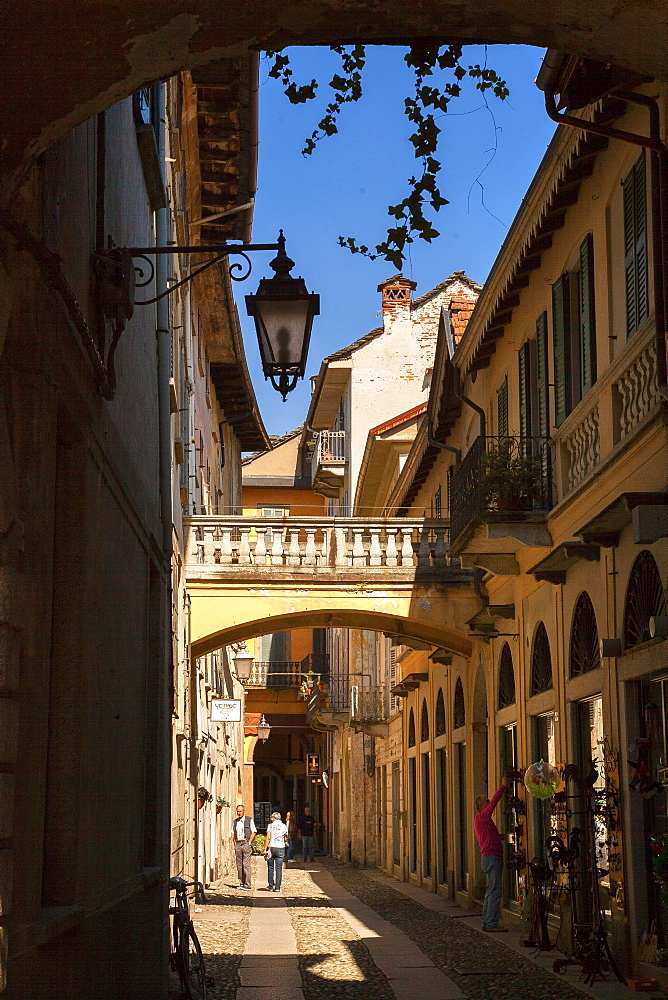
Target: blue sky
<point>343,189</point>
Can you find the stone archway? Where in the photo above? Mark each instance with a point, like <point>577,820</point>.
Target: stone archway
<point>435,634</point>
<point>83,58</point>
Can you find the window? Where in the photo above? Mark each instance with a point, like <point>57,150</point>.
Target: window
<point>644,599</point>
<point>440,714</point>
<point>506,678</point>
<point>424,722</point>
<point>459,709</point>
<point>144,105</point>
<point>411,729</point>
<point>533,383</point>
<point>584,651</point>
<point>636,277</point>
<point>541,662</point>
<point>574,320</point>
<point>502,409</point>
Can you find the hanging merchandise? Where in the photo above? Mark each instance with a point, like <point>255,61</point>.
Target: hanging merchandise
<point>542,780</point>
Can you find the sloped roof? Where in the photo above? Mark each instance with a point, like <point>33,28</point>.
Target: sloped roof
<point>274,442</point>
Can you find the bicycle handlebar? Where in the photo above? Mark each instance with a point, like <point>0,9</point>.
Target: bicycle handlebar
<point>179,885</point>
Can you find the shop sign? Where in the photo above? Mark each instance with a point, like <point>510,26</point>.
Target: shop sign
<point>225,710</point>
<point>312,765</point>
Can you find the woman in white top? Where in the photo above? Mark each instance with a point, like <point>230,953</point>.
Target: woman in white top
<point>277,838</point>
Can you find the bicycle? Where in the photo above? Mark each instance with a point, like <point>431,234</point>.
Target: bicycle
<point>187,958</point>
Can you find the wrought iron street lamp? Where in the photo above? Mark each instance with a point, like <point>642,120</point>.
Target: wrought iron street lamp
<point>263,729</point>
<point>243,663</point>
<point>283,311</point>
<point>282,308</point>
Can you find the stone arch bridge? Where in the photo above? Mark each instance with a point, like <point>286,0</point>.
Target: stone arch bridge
<point>247,577</point>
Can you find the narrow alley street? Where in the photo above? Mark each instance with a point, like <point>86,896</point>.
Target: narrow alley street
<point>342,932</point>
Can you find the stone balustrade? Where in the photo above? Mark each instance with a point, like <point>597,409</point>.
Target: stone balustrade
<point>312,542</point>
<point>583,446</point>
<point>637,390</point>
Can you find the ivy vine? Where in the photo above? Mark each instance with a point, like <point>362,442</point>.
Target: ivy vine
<point>421,109</point>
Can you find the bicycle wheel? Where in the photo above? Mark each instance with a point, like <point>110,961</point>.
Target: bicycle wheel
<point>191,965</point>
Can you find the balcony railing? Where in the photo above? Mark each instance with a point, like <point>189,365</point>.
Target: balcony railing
<point>369,704</point>
<point>335,698</point>
<point>318,542</point>
<point>330,447</point>
<point>288,673</point>
<point>506,476</point>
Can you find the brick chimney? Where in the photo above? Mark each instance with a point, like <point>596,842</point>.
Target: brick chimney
<point>396,293</point>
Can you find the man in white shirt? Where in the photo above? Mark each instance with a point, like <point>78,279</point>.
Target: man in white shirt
<point>243,835</point>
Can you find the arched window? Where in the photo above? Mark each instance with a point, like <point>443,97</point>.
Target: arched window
<point>411,729</point>
<point>424,722</point>
<point>644,599</point>
<point>585,654</point>
<point>459,709</point>
<point>506,678</point>
<point>440,713</point>
<point>541,662</point>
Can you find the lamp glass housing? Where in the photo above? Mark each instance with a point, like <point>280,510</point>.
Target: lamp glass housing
<point>283,312</point>
<point>243,663</point>
<point>263,729</point>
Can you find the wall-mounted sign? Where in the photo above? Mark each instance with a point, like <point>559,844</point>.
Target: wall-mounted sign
<point>225,710</point>
<point>312,765</point>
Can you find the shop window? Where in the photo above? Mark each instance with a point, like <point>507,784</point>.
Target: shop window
<point>442,799</point>
<point>462,817</point>
<point>584,652</point>
<point>411,729</point>
<point>544,748</point>
<point>636,274</point>
<point>396,813</point>
<point>426,816</point>
<point>512,821</point>
<point>412,813</point>
<point>541,662</point>
<point>644,599</point>
<point>506,678</point>
<point>424,722</point>
<point>459,709</point>
<point>574,332</point>
<point>440,714</point>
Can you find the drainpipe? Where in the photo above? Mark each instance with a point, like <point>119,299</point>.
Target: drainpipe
<point>439,444</point>
<point>163,336</point>
<point>659,187</point>
<point>469,402</point>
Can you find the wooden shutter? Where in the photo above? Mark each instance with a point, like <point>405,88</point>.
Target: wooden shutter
<point>561,326</point>
<point>526,423</point>
<point>636,276</point>
<point>542,378</point>
<point>502,409</point>
<point>587,316</point>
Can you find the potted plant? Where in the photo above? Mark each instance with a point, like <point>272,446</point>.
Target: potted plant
<point>511,479</point>
<point>220,802</point>
<point>203,796</point>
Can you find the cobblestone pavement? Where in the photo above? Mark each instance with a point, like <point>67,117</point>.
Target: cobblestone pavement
<point>487,969</point>
<point>335,962</point>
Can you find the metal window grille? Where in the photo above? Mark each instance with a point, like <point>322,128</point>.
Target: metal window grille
<point>411,729</point>
<point>541,662</point>
<point>584,651</point>
<point>459,708</point>
<point>506,678</point>
<point>644,599</point>
<point>440,713</point>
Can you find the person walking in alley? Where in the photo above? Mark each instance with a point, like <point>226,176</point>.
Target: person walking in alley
<point>277,839</point>
<point>491,860</point>
<point>243,835</point>
<point>292,835</point>
<point>306,827</point>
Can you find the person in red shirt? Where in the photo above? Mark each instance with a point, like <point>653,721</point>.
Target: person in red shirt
<point>491,860</point>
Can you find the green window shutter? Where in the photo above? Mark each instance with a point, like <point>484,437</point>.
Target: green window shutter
<point>636,278</point>
<point>524,359</point>
<point>587,316</point>
<point>641,239</point>
<point>542,379</point>
<point>561,325</point>
<point>502,409</point>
